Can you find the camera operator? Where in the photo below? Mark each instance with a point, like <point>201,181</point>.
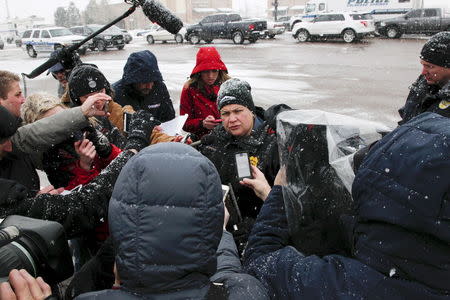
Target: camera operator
<point>19,146</point>
<point>81,210</point>
<point>23,286</point>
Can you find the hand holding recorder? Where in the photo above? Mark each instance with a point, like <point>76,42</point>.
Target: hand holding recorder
<point>210,122</point>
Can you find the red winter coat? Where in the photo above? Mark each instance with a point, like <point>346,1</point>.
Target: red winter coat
<point>82,176</point>
<point>200,104</point>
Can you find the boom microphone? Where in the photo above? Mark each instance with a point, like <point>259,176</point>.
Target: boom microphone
<point>157,13</point>
<point>205,140</point>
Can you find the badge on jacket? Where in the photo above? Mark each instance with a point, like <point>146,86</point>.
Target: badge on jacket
<point>444,104</point>
<point>254,161</point>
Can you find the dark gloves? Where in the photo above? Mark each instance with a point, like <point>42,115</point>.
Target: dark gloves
<point>100,141</point>
<point>141,127</point>
<point>12,192</point>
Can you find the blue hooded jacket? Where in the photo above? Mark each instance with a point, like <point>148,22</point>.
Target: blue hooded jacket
<point>142,67</point>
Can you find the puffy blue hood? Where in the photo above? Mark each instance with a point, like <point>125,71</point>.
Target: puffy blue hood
<point>402,194</point>
<point>166,218</point>
<point>141,67</point>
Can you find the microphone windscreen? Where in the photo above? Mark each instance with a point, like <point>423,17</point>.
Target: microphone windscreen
<point>157,13</point>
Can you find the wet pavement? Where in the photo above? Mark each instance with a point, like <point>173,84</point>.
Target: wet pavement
<point>368,79</point>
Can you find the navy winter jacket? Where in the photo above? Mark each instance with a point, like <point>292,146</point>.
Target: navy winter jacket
<point>142,67</point>
<point>401,237</point>
<point>166,219</point>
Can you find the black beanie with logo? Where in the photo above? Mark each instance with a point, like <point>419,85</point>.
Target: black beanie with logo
<point>235,91</point>
<point>437,50</point>
<point>8,124</point>
<point>86,79</point>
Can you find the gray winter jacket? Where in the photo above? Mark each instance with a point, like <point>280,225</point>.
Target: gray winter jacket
<point>42,134</point>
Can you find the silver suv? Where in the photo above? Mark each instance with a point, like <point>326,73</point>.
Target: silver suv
<point>49,39</point>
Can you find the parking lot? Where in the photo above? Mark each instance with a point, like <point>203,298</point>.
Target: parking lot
<point>368,79</point>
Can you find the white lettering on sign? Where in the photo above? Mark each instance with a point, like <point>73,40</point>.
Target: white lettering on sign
<point>367,2</point>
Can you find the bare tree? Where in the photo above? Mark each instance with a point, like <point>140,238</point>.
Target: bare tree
<point>73,15</point>
<point>60,16</point>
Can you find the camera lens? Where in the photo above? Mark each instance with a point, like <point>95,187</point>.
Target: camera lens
<point>15,256</point>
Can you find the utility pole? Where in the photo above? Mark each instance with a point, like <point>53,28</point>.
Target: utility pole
<point>417,3</point>
<point>275,11</point>
<point>7,10</point>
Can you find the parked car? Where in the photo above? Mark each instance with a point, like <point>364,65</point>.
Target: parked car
<point>285,21</point>
<point>126,36</point>
<point>225,26</point>
<point>273,29</point>
<point>18,40</point>
<point>294,20</point>
<point>426,20</point>
<point>160,34</point>
<point>110,38</point>
<point>143,32</point>
<point>49,39</point>
<point>2,44</point>
<point>348,26</point>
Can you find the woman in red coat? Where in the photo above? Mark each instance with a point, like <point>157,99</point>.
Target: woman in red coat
<point>199,95</point>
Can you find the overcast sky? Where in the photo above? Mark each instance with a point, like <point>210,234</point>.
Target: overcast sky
<point>46,8</point>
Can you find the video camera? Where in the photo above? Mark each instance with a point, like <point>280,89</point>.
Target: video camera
<point>38,246</point>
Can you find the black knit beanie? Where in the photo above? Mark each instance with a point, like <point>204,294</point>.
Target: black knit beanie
<point>437,50</point>
<point>86,79</point>
<point>235,91</point>
<point>8,124</point>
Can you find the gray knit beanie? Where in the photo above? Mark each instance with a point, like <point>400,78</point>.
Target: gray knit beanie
<point>235,91</point>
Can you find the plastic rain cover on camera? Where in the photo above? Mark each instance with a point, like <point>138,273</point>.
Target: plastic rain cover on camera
<point>317,149</point>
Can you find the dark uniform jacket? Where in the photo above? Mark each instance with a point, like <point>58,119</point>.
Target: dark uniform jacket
<point>401,238</point>
<point>142,67</point>
<point>262,149</point>
<point>424,97</point>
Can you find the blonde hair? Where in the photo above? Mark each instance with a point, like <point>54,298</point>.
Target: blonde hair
<point>37,105</point>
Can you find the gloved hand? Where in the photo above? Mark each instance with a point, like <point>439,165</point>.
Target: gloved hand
<point>100,141</point>
<point>141,127</point>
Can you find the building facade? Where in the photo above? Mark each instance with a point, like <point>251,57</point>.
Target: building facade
<point>192,11</point>
<point>286,7</point>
